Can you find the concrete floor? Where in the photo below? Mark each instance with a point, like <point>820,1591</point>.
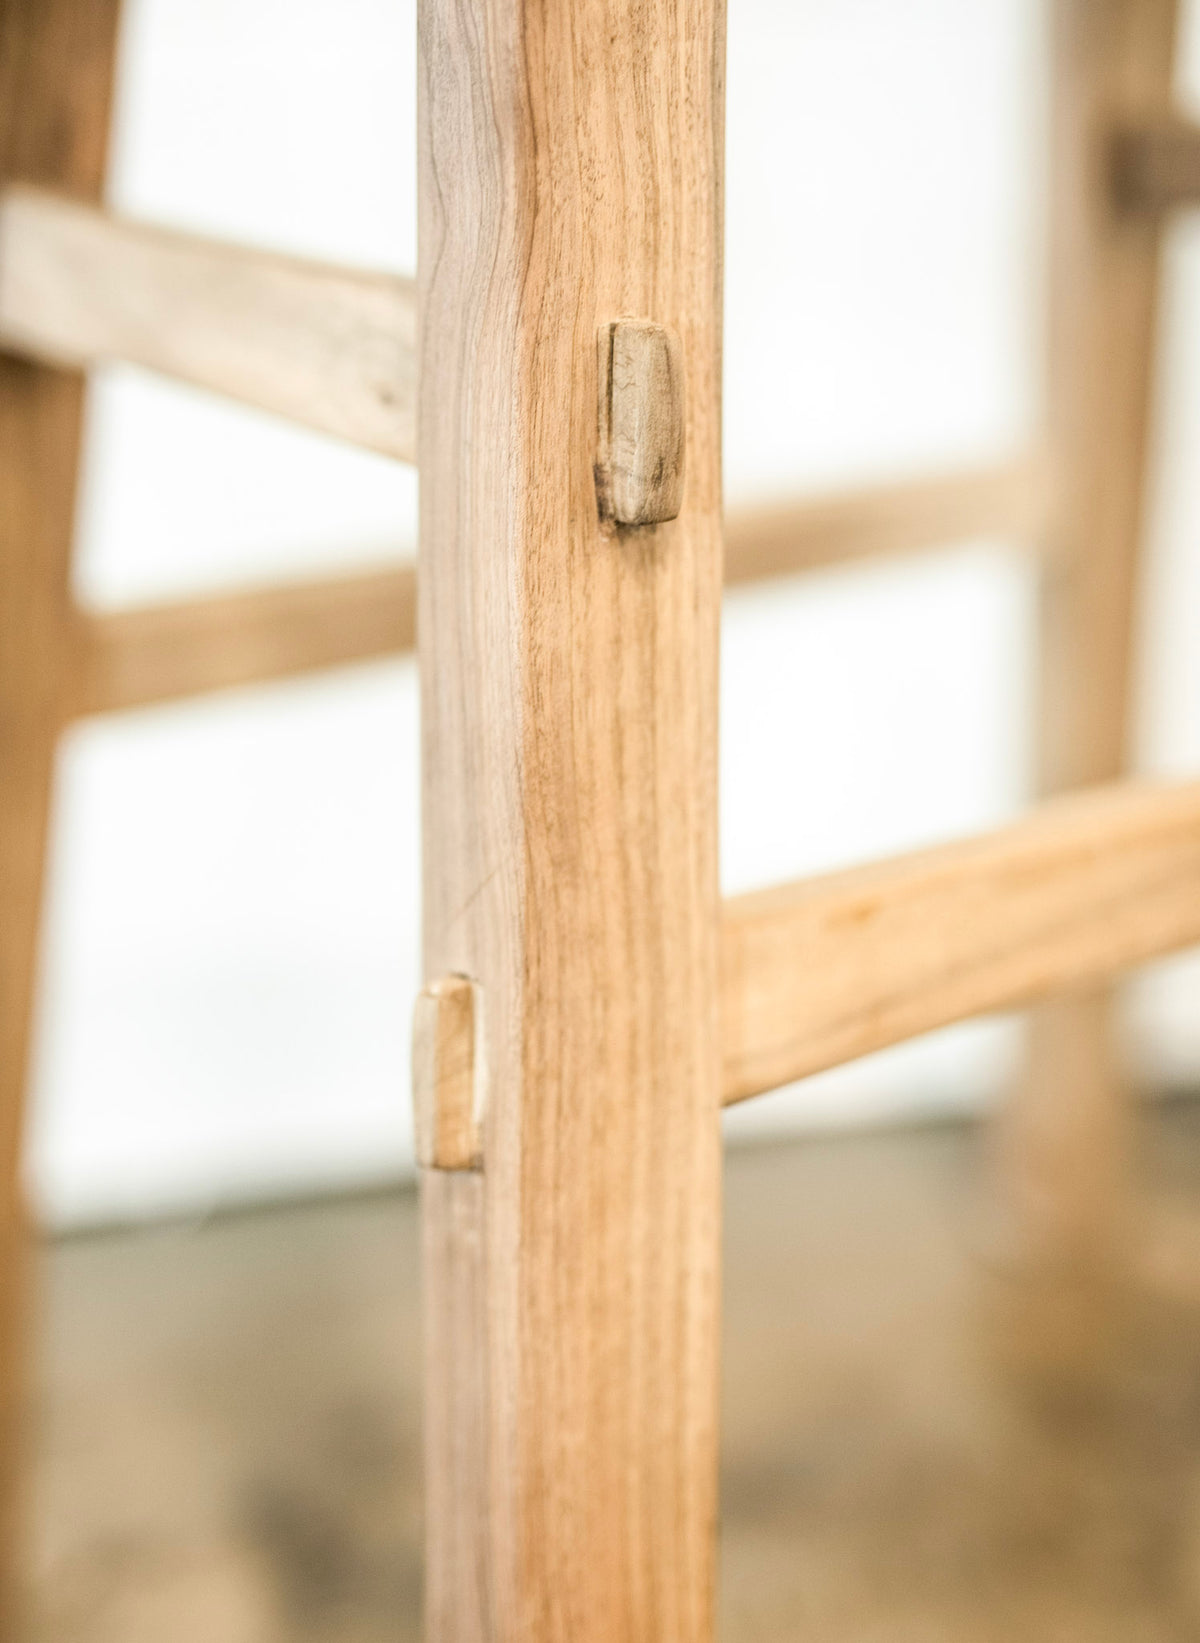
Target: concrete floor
<point>229,1426</point>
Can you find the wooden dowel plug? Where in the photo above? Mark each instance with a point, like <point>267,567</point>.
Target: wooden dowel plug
<point>447,1081</point>
<point>639,467</point>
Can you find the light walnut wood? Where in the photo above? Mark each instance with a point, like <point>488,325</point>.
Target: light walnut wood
<point>1064,1141</point>
<point>1157,166</point>
<point>56,62</point>
<point>159,653</point>
<point>819,972</point>
<point>448,1089</point>
<point>331,348</point>
<point>458,1587</point>
<point>570,177</point>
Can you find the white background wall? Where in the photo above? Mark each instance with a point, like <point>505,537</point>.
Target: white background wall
<point>232,945</point>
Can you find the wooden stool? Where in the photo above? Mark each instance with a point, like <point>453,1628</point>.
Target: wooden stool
<point>592,1002</point>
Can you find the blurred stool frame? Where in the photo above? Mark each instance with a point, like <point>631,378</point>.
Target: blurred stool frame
<point>591,1002</point>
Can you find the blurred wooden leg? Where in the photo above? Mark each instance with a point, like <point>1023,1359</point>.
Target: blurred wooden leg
<point>1064,1140</point>
<point>56,68</point>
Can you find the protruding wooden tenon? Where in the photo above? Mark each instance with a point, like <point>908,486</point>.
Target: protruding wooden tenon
<point>447,1081</point>
<point>639,466</point>
<point>1156,166</point>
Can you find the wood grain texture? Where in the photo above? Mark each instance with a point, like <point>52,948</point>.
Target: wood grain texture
<point>819,972</point>
<point>331,348</point>
<point>56,64</point>
<point>570,176</point>
<point>1010,500</point>
<point>160,653</point>
<point>1064,1140</point>
<point>459,1600</point>
<point>447,1074</point>
<point>1157,165</point>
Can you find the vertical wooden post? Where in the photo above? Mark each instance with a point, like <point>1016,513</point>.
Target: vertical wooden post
<point>56,68</point>
<point>1066,1138</point>
<point>571,162</point>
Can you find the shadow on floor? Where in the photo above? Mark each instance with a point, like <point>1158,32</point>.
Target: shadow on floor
<point>229,1426</point>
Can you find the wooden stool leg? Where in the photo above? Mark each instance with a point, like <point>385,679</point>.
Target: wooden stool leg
<point>571,161</point>
<point>56,67</point>
<point>1065,1140</point>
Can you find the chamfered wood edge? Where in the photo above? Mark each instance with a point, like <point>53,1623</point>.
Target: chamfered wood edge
<point>822,971</point>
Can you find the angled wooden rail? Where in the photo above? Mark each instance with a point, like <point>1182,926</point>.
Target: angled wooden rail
<point>159,653</point>
<point>1007,499</point>
<point>819,972</point>
<point>330,348</point>
<point>57,59</point>
<point>333,349</point>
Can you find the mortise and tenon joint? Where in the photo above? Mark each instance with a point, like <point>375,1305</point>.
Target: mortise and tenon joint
<point>639,463</point>
<point>448,1075</point>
